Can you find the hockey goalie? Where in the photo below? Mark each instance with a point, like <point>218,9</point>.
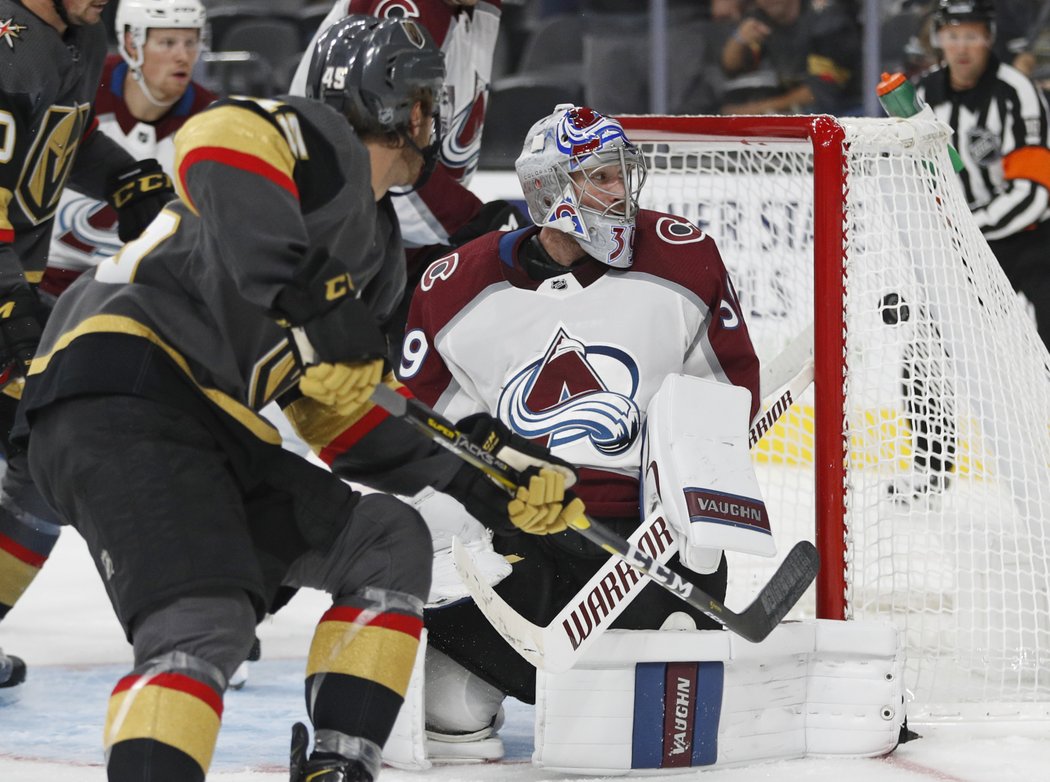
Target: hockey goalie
<point>613,336</point>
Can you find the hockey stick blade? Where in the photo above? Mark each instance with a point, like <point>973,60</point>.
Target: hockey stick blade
<point>519,632</point>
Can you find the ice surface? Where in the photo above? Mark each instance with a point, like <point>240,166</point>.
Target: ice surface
<point>65,630</point>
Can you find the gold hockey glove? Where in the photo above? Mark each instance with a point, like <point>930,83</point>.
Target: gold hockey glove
<point>543,507</point>
<point>346,387</point>
<point>496,437</point>
<point>138,193</point>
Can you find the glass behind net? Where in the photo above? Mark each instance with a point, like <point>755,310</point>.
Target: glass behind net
<point>947,386</point>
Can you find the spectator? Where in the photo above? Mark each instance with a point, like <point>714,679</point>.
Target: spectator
<point>617,55</point>
<point>792,56</point>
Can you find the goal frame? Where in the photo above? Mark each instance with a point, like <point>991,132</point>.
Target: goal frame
<point>830,246</point>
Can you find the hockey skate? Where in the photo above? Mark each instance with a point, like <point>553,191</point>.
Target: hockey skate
<point>328,769</point>
<point>12,670</point>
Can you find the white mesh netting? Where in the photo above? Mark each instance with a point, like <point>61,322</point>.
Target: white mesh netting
<point>947,386</point>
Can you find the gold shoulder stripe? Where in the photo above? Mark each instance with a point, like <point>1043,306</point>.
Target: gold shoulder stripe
<point>119,324</point>
<point>234,136</point>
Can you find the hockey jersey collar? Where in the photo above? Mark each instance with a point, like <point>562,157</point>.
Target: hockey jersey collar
<point>180,108</point>
<point>585,272</point>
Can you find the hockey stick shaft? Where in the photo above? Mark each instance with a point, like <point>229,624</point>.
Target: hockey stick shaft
<point>749,624</point>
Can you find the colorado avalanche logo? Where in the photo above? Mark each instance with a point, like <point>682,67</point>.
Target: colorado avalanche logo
<point>562,398</point>
<point>461,145</point>
<point>582,132</point>
<point>565,217</point>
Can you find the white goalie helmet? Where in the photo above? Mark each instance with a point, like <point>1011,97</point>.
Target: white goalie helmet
<point>139,16</point>
<point>581,175</point>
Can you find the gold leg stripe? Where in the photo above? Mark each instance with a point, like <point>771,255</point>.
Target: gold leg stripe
<point>169,708</point>
<point>369,652</point>
<point>15,576</point>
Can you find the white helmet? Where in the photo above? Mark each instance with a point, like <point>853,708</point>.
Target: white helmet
<point>577,139</point>
<point>138,16</point>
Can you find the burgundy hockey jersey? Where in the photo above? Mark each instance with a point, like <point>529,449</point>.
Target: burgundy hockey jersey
<point>572,361</point>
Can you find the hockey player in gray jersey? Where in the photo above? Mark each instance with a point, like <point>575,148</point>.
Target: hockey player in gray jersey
<point>51,56</point>
<point>268,280</point>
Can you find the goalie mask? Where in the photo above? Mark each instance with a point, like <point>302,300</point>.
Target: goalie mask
<point>138,17</point>
<point>581,175</point>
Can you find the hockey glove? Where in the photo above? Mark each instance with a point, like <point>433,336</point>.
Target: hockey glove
<point>493,216</point>
<point>341,351</point>
<point>138,193</point>
<point>494,436</point>
<point>20,329</point>
<point>346,387</point>
<point>543,507</point>
<point>540,506</point>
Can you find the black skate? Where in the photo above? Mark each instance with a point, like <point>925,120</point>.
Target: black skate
<point>12,670</point>
<point>330,769</point>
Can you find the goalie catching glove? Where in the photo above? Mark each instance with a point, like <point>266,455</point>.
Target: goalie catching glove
<point>340,349</point>
<point>138,193</point>
<point>539,505</point>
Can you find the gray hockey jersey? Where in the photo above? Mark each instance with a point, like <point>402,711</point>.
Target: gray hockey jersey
<point>184,314</point>
<point>47,132</point>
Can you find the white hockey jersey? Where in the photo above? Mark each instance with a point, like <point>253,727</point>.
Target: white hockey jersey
<point>85,230</point>
<point>572,362</point>
<point>467,37</point>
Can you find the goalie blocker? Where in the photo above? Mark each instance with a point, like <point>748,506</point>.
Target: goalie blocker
<point>674,700</point>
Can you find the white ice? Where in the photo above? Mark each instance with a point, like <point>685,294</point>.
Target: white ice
<point>65,630</point>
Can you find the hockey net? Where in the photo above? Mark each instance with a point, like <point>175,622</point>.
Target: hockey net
<point>921,456</point>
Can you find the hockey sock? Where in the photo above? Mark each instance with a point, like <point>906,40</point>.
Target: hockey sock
<point>357,673</point>
<point>163,720</point>
<point>23,551</point>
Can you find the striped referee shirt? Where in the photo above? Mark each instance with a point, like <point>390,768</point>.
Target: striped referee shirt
<point>1000,130</point>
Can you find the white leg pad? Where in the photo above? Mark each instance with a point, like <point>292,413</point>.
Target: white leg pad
<point>406,748</point>
<point>662,701</point>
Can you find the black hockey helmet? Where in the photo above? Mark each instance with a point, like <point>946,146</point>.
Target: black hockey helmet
<point>374,70</point>
<point>957,11</point>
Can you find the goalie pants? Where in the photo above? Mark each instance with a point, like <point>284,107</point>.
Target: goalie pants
<point>547,572</point>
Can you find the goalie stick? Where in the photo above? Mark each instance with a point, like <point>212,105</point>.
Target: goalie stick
<point>791,579</point>
<point>558,646</point>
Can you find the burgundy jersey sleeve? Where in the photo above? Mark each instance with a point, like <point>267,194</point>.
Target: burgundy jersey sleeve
<point>446,288</point>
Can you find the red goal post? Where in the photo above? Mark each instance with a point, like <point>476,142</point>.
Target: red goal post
<point>826,138</point>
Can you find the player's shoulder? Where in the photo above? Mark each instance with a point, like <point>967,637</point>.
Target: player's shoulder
<point>26,46</point>
<point>452,281</point>
<point>1017,81</point>
<point>673,248</point>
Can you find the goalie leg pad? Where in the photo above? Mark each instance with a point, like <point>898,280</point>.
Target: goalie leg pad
<point>681,700</point>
